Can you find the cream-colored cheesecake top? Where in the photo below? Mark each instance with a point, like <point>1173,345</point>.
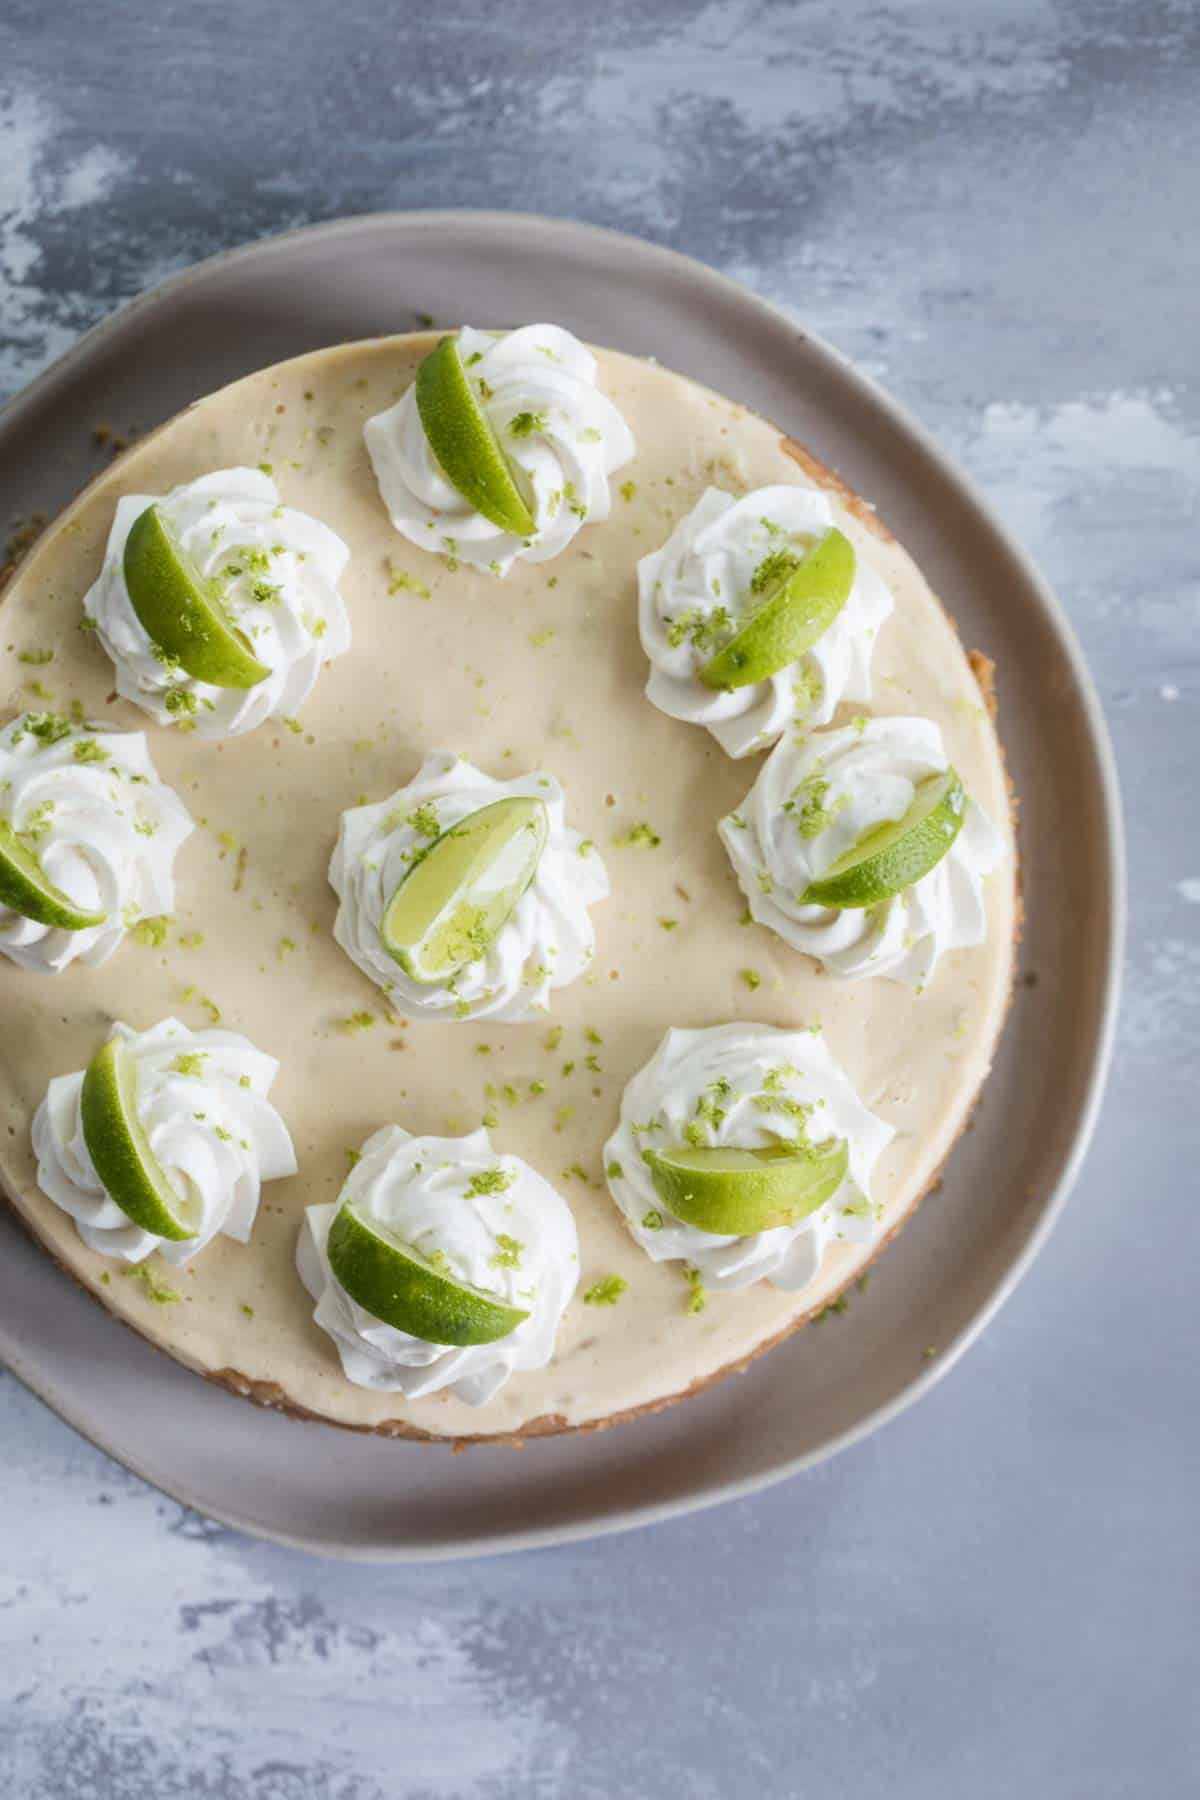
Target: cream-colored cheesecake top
<point>543,670</point>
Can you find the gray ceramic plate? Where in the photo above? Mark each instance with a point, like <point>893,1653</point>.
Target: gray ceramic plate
<point>333,1491</point>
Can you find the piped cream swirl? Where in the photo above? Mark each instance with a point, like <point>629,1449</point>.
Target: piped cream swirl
<point>695,590</point>
<point>547,941</point>
<point>279,571</point>
<point>538,387</point>
<point>813,800</point>
<point>104,828</point>
<point>202,1102</point>
<point>498,1224</point>
<point>748,1087</point>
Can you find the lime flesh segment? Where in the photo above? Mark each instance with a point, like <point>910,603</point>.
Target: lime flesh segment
<point>461,437</point>
<point>120,1150</point>
<point>732,1193</point>
<point>397,1285</point>
<point>25,889</point>
<point>796,610</point>
<point>892,856</point>
<point>180,610</point>
<point>449,906</point>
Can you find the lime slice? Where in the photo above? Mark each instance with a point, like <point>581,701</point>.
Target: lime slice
<point>450,905</point>
<point>180,609</point>
<point>120,1150</point>
<point>462,438</point>
<point>396,1284</point>
<point>793,613</point>
<point>25,889</point>
<point>734,1192</point>
<point>891,857</point>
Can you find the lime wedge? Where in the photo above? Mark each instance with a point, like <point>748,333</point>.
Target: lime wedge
<point>25,889</point>
<point>120,1150</point>
<point>734,1192</point>
<point>891,857</point>
<point>450,905</point>
<point>180,609</point>
<point>462,438</point>
<point>396,1284</point>
<point>794,612</point>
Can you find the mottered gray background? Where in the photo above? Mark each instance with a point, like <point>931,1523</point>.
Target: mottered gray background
<point>991,205</point>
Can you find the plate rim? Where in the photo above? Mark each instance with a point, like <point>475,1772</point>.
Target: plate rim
<point>60,372</point>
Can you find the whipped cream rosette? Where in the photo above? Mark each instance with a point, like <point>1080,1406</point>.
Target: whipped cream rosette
<point>454,1214</point>
<point>273,574</point>
<point>815,799</point>
<point>712,575</point>
<point>85,804</point>
<point>202,1104</point>
<point>561,437</point>
<point>745,1087</point>
<point>546,940</point>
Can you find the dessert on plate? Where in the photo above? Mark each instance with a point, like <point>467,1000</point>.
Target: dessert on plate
<point>602,1051</point>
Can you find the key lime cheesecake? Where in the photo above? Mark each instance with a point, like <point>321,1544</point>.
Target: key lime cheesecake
<point>469,1046</point>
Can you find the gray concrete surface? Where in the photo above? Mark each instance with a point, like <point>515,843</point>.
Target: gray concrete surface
<point>992,207</point>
